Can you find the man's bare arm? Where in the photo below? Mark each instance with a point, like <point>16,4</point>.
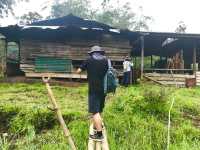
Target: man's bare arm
<point>79,70</point>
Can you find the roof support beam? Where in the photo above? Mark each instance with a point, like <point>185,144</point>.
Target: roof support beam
<point>3,58</point>
<point>151,61</point>
<point>194,59</point>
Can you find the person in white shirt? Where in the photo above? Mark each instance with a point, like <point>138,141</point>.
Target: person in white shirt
<point>127,64</point>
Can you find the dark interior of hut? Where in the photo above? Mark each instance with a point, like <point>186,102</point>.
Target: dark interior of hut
<point>169,51</point>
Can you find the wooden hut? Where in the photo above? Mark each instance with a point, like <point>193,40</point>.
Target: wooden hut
<point>59,46</point>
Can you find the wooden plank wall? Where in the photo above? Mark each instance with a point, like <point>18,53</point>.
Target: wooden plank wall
<point>75,50</point>
<point>198,78</point>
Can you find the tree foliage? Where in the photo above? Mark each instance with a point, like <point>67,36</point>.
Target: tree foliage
<point>6,6</point>
<point>121,16</point>
<point>77,7</point>
<point>142,23</point>
<point>29,18</point>
<point>181,28</point>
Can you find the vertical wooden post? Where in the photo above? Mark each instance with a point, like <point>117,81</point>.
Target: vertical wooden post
<point>182,61</point>
<point>59,114</point>
<point>142,56</point>
<point>135,61</point>
<point>194,59</point>
<point>5,59</point>
<point>135,70</point>
<point>2,56</point>
<point>19,53</point>
<point>131,73</point>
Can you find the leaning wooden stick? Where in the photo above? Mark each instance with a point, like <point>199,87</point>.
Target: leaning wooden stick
<point>58,113</point>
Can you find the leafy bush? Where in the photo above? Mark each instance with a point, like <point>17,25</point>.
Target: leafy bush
<point>155,95</point>
<point>39,119</point>
<point>156,100</point>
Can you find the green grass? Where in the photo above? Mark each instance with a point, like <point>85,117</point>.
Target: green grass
<point>135,117</point>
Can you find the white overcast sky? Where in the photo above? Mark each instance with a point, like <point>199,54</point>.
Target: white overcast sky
<point>166,13</point>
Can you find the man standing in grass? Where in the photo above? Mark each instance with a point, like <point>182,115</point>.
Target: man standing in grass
<point>127,64</point>
<point>96,66</point>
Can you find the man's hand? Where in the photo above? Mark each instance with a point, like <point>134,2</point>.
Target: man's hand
<point>78,70</point>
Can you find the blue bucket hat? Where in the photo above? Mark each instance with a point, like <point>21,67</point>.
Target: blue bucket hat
<point>96,49</point>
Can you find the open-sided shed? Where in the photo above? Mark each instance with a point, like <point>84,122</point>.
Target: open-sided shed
<point>180,48</point>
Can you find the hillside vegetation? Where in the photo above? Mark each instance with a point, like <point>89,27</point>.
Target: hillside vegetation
<point>135,117</point>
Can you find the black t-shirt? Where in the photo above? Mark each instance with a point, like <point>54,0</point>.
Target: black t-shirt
<point>96,70</point>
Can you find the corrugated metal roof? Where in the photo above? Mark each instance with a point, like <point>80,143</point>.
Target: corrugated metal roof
<point>42,27</point>
<point>71,20</point>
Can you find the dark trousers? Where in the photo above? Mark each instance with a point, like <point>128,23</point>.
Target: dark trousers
<point>126,78</point>
<point>96,102</point>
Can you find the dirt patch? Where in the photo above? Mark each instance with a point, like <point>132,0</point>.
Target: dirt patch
<point>195,119</point>
<point>5,120</point>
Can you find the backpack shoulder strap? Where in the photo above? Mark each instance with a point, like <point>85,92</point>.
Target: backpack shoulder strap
<point>109,64</point>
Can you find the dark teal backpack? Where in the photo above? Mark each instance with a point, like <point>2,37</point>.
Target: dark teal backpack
<point>110,79</point>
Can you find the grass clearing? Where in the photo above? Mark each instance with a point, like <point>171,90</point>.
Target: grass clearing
<point>135,117</point>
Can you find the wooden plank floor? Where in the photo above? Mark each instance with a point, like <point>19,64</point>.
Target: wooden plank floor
<point>168,79</point>
<point>56,75</point>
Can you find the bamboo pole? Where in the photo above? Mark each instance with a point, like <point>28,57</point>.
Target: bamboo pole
<point>91,143</point>
<point>98,145</point>
<point>58,113</point>
<point>105,145</point>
